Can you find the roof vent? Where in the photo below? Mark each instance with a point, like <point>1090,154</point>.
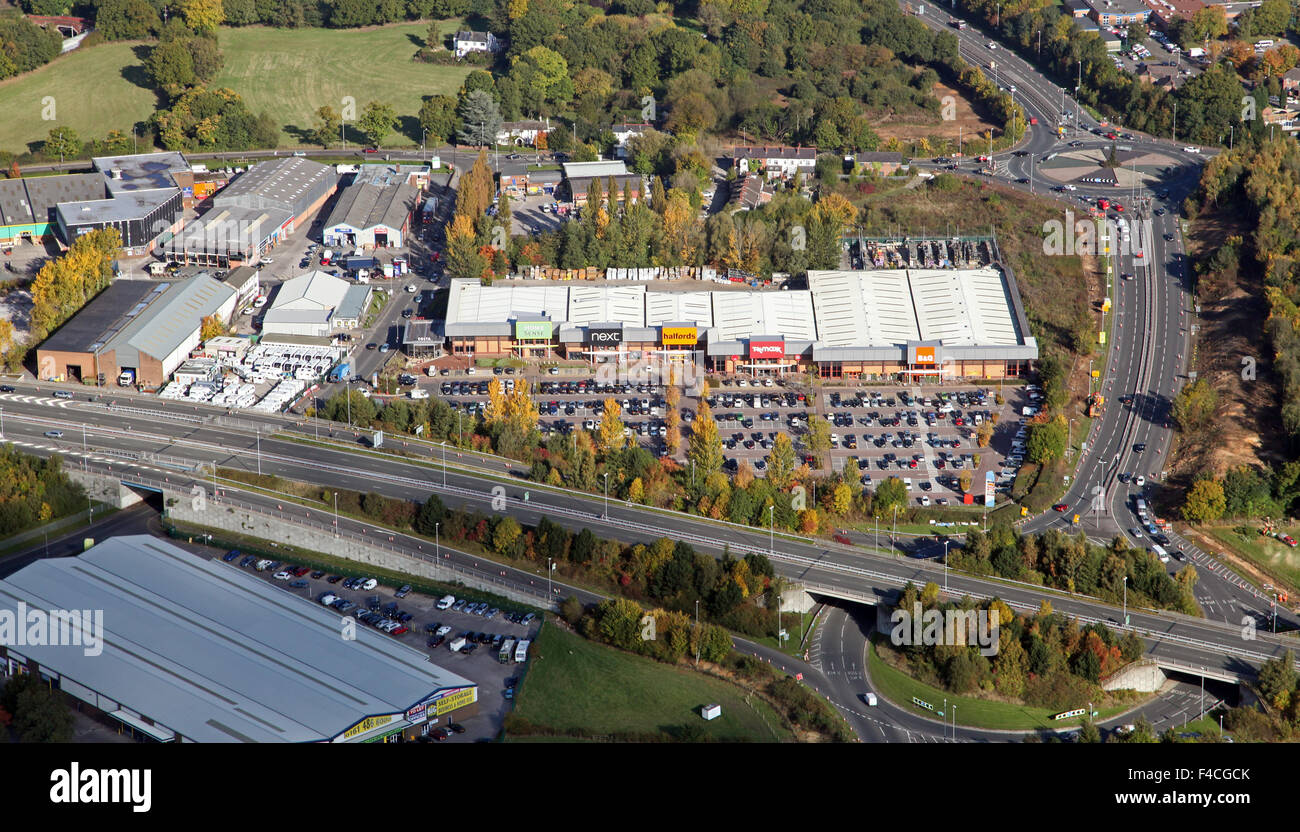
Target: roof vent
<point>115,173</point>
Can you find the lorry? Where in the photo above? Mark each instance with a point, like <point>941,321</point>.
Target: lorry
<point>340,372</point>
<point>521,650</point>
<point>456,643</point>
<point>1196,52</point>
<point>507,650</point>
<point>126,379</point>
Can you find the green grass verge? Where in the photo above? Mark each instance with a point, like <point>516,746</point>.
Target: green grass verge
<point>1273,556</point>
<point>900,689</point>
<point>54,528</point>
<point>573,683</point>
<point>289,73</point>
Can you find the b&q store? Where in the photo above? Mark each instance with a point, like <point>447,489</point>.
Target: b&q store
<point>874,324</point>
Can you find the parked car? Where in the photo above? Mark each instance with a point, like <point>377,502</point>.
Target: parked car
<point>402,593</point>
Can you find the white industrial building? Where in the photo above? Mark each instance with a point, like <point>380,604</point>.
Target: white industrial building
<point>315,304</point>
<point>374,211</point>
<point>195,650</point>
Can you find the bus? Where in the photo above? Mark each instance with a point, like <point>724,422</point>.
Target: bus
<point>1160,552</point>
<point>1141,507</point>
<point>506,651</point>
<point>521,650</point>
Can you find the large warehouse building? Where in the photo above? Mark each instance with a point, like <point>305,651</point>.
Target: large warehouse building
<point>964,323</point>
<point>315,304</point>
<point>374,211</point>
<point>136,194</point>
<point>138,325</point>
<point>195,650</point>
<point>255,212</point>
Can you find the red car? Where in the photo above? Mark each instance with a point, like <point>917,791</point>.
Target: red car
<point>1060,507</point>
<point>371,150</point>
<point>1112,136</point>
<point>842,537</point>
<point>397,631</point>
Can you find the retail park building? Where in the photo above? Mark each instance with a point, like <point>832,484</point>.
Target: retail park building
<point>918,323</point>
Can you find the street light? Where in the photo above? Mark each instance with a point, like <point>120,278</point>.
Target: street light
<point>697,632</point>
<point>1125,600</point>
<point>444,464</point>
<point>945,565</point>
<point>606,514</point>
<point>437,540</point>
<point>771,530</point>
<point>336,514</point>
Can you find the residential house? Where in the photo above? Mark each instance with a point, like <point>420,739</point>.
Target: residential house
<point>779,160</point>
<point>881,163</point>
<point>623,132</point>
<point>747,193</point>
<point>467,42</point>
<point>521,133</point>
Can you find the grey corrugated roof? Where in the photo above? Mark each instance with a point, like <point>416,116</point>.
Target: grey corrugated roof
<point>32,199</point>
<point>168,321</point>
<point>216,654</point>
<point>354,303</point>
<point>290,184</point>
<point>96,319</point>
<point>365,205</point>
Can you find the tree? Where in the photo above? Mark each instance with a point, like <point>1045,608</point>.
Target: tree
<point>704,449</point>
<point>1277,680</point>
<point>984,434</point>
<point>1205,502</point>
<point>1047,441</point>
<point>480,119</point>
<point>202,15</point>
<point>889,494</point>
<point>438,117</point>
<point>781,462</point>
<point>328,126</point>
<point>171,66</point>
<point>818,438</point>
<point>377,121</point>
<point>432,513</point>
<point>965,479</point>
<point>609,434</point>
<point>211,327</point>
<point>842,499</point>
<point>1195,405</point>
<point>505,535</point>
<point>62,142</point>
<point>126,19</point>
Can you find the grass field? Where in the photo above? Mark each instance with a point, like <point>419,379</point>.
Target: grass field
<point>286,72</point>
<point>575,683</point>
<point>976,713</point>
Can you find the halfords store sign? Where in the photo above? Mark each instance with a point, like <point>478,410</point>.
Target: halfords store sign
<point>532,330</point>
<point>766,349</point>
<point>679,336</point>
<point>604,336</point>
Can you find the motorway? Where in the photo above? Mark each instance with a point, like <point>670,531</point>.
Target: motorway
<point>1153,320</point>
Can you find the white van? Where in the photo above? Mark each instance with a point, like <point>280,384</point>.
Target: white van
<point>446,601</point>
<point>870,699</point>
<point>370,584</point>
<point>456,643</point>
<point>418,393</point>
<point>907,483</point>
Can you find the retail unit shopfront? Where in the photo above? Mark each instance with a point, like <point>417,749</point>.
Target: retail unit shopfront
<point>533,339</point>
<point>418,720</point>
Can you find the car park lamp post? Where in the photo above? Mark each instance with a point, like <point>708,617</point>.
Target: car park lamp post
<point>945,566</point>
<point>1125,607</point>
<point>336,514</point>
<point>606,516</point>
<point>437,540</point>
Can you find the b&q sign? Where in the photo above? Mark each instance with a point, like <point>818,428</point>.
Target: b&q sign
<point>679,336</point>
<point>925,355</point>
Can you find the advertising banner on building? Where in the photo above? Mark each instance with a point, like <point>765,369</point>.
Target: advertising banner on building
<point>448,700</point>
<point>418,714</point>
<point>532,330</point>
<point>679,336</point>
<point>766,349</point>
<point>604,336</point>
<point>367,725</point>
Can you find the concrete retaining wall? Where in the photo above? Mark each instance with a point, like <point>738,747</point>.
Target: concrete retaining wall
<point>103,488</point>
<point>1144,677</point>
<point>299,535</point>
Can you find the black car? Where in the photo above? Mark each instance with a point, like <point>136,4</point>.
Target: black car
<point>333,579</point>
<point>469,648</point>
<point>6,388</point>
<point>455,727</point>
<point>437,641</point>
<point>298,584</point>
<point>317,575</point>
<point>1139,447</point>
<point>248,561</point>
<point>433,627</point>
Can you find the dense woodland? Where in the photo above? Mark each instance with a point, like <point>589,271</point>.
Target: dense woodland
<point>34,491</point>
